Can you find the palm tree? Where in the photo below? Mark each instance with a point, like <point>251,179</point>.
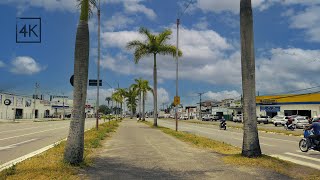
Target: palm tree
<point>118,97</point>
<point>153,45</point>
<point>131,98</point>
<point>73,153</point>
<point>108,99</point>
<point>138,87</point>
<point>250,146</point>
<point>145,88</point>
<point>122,93</point>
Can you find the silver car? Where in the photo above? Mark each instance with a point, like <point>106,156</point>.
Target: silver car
<point>300,121</point>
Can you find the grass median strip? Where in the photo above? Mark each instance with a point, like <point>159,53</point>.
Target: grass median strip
<point>240,126</point>
<point>50,164</point>
<point>231,155</point>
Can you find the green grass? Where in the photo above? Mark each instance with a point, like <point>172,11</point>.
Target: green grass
<point>240,126</point>
<point>232,155</point>
<point>50,164</point>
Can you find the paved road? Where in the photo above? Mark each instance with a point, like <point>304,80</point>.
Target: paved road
<point>19,139</point>
<point>137,151</point>
<point>281,146</point>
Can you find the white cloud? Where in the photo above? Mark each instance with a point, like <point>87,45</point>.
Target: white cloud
<point>118,21</point>
<point>202,24</point>
<point>222,95</point>
<point>133,7</point>
<point>287,69</point>
<point>233,6</point>
<point>68,5</point>
<point>26,65</point>
<point>308,20</point>
<point>163,97</point>
<point>2,64</point>
<point>103,93</point>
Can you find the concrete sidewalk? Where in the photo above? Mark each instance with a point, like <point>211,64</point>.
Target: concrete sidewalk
<point>137,151</point>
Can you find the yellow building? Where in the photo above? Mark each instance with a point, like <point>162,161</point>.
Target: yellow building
<point>289,104</point>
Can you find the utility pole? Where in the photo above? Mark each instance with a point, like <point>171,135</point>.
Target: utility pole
<point>200,94</point>
<point>177,62</point>
<point>64,112</point>
<point>177,58</point>
<point>98,78</point>
<point>34,100</point>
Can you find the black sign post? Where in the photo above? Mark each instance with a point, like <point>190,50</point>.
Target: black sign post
<point>7,102</point>
<point>94,82</point>
<point>71,80</point>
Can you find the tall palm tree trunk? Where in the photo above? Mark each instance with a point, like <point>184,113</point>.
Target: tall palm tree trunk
<point>155,108</point>
<point>143,106</point>
<point>75,144</point>
<point>251,146</point>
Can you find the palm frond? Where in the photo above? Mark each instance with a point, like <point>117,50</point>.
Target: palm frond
<point>169,50</point>
<point>86,7</point>
<point>164,36</point>
<point>140,52</point>
<point>146,32</point>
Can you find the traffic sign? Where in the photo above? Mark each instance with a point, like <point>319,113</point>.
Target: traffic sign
<point>71,80</point>
<point>7,102</point>
<point>176,100</point>
<point>94,82</point>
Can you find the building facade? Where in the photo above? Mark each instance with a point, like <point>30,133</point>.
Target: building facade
<point>291,104</point>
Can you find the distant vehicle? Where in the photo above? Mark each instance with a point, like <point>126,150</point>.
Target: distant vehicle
<point>185,117</point>
<point>300,121</point>
<point>263,119</point>
<point>279,120</point>
<point>208,117</point>
<point>238,118</point>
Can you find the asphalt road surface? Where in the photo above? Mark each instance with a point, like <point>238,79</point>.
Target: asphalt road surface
<point>19,139</point>
<point>281,146</point>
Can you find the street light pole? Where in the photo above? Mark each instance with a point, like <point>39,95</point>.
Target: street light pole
<point>98,78</point>
<point>177,67</point>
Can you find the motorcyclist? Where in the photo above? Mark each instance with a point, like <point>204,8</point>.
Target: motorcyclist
<point>289,122</point>
<point>222,120</point>
<point>316,129</point>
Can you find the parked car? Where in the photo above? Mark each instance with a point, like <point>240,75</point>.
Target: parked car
<point>238,118</point>
<point>263,119</point>
<point>208,117</point>
<point>300,121</point>
<point>279,120</point>
<point>185,117</point>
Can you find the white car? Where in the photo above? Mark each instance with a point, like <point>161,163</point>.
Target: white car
<point>263,119</point>
<point>185,117</point>
<point>300,121</point>
<point>238,118</point>
<point>279,120</point>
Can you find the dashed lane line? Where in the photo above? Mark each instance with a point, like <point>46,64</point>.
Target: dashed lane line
<point>32,133</point>
<point>303,163</point>
<point>301,156</point>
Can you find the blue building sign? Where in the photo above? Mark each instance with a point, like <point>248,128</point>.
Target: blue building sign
<point>270,108</point>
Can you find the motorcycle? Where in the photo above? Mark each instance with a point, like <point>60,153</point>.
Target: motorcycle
<point>223,125</point>
<point>307,143</point>
<point>291,127</point>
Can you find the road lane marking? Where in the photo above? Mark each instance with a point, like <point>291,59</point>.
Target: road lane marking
<point>301,156</point>
<point>267,144</point>
<point>30,133</point>
<point>15,145</point>
<point>27,156</point>
<point>18,130</point>
<point>315,166</point>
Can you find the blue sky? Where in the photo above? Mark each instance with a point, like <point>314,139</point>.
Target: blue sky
<point>287,38</point>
